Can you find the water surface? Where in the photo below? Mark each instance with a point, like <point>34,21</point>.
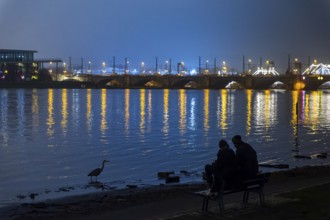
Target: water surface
<point>50,139</point>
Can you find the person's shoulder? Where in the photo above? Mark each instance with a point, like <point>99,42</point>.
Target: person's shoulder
<point>246,145</point>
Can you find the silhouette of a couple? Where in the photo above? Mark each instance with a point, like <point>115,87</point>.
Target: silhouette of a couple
<point>230,168</point>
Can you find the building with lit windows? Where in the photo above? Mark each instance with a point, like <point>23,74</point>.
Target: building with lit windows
<point>20,65</point>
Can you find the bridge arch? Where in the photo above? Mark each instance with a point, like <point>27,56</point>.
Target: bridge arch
<point>278,85</point>
<point>185,83</point>
<point>234,85</point>
<point>192,84</point>
<point>154,84</point>
<point>324,86</point>
<point>146,82</point>
<point>110,83</point>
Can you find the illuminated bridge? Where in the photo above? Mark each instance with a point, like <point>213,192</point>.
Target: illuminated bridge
<point>288,82</point>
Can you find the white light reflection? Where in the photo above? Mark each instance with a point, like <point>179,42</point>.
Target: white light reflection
<point>166,113</point>
<point>76,108</point>
<point>265,107</point>
<point>149,108</point>
<point>192,115</point>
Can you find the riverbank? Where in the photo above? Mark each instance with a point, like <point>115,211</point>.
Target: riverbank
<point>157,202</point>
<point>47,85</point>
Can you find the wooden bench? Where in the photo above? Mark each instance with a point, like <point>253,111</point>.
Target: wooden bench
<point>255,185</point>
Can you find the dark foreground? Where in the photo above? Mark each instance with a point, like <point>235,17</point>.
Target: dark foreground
<point>176,202</point>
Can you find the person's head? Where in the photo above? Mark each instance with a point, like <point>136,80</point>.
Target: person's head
<point>223,144</point>
<point>237,140</point>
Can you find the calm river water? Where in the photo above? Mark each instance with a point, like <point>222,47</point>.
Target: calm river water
<point>51,139</point>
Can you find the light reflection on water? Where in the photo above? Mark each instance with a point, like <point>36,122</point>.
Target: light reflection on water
<point>54,137</point>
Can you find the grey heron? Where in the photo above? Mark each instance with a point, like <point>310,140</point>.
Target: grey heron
<point>97,171</point>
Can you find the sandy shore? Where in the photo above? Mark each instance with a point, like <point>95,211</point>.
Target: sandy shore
<point>151,203</point>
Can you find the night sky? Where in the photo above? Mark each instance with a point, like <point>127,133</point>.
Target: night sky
<point>140,30</point>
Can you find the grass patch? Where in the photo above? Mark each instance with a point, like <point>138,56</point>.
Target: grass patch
<point>308,204</point>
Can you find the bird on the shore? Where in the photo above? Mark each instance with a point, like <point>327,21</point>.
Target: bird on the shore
<point>97,171</point>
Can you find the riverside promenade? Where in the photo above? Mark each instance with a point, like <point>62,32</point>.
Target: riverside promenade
<point>163,202</point>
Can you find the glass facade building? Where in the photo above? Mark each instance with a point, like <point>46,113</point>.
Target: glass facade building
<point>17,65</point>
<point>20,65</point>
<point>16,55</point>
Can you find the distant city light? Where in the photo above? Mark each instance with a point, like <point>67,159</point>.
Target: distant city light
<point>193,72</point>
<point>265,72</point>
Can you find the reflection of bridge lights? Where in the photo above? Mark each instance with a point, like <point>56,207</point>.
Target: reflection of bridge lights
<point>103,124</point>
<point>64,110</point>
<point>166,111</point>
<point>89,109</point>
<point>206,109</point>
<point>182,110</point>
<point>50,119</point>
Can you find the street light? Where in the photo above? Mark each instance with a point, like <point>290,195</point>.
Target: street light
<point>224,67</point>
<point>183,70</point>
<point>166,67</point>
<point>64,68</point>
<point>206,67</point>
<point>249,66</point>
<point>89,67</point>
<point>142,68</point>
<point>127,68</point>
<point>51,67</point>
<point>103,67</point>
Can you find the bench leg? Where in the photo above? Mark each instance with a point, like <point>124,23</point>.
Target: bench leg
<point>262,197</point>
<point>221,205</point>
<point>246,197</point>
<point>205,204</point>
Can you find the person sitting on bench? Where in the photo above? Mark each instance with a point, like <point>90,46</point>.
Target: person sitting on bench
<point>223,168</point>
<point>247,160</point>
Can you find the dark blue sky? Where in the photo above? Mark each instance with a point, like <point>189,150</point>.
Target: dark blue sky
<point>179,29</point>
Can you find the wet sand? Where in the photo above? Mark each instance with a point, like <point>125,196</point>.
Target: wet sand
<point>153,202</point>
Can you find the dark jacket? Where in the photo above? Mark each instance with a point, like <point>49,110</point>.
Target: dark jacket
<point>247,161</point>
<point>226,163</point>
